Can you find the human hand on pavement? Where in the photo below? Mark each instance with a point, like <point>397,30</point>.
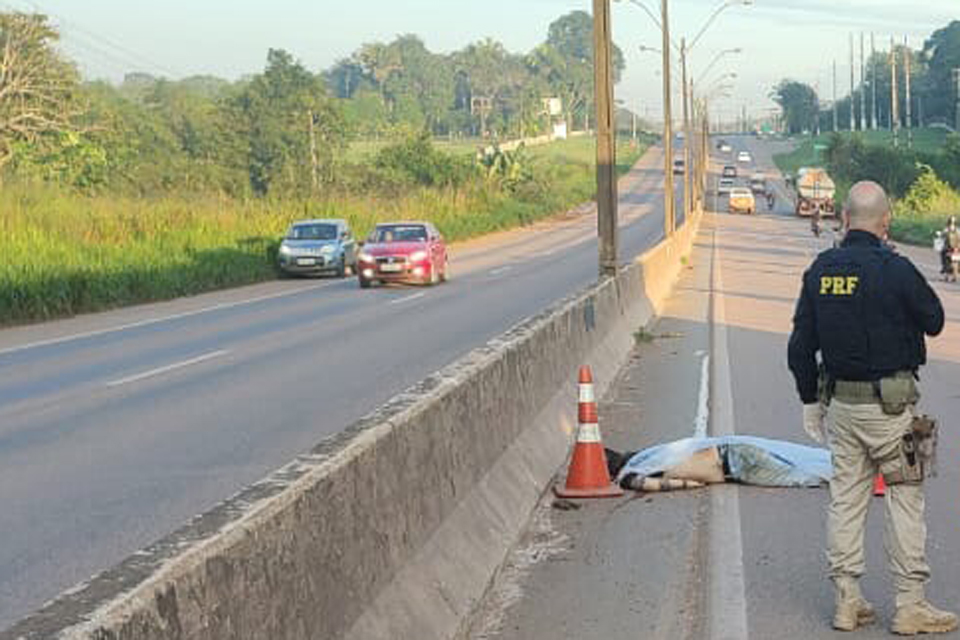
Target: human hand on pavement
<point>813,416</point>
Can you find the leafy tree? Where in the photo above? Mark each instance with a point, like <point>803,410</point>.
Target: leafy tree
<point>380,62</point>
<point>799,103</point>
<point>942,51</point>
<point>37,86</point>
<point>347,77</point>
<point>294,130</point>
<point>488,71</point>
<point>571,38</point>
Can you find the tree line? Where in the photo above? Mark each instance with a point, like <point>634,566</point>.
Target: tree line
<point>278,133</point>
<point>933,91</point>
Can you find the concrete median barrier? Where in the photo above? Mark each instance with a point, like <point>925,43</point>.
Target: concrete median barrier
<point>394,528</point>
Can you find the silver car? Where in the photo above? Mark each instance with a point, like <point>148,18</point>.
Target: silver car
<point>314,247</point>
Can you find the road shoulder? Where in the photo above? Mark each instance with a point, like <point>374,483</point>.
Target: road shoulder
<point>629,567</point>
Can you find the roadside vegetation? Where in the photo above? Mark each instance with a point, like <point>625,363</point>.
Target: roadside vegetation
<point>155,188</point>
<point>65,253</point>
<point>924,181</point>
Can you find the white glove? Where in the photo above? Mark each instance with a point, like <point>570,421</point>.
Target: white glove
<point>813,415</point>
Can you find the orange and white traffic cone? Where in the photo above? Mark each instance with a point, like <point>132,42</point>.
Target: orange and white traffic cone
<point>588,476</point>
<point>879,486</point>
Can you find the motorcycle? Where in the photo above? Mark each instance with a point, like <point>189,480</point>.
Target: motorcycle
<point>815,224</point>
<point>954,265</point>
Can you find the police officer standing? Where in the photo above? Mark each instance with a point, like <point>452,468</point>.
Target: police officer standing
<point>866,309</point>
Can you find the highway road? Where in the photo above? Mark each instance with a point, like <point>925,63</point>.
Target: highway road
<point>732,561</point>
<point>116,428</point>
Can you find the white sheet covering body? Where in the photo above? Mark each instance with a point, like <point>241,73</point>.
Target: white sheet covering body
<point>749,460</point>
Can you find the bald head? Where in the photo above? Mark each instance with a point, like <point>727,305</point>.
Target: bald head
<point>867,208</point>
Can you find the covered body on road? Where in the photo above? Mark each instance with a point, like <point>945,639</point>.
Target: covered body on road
<point>743,459</point>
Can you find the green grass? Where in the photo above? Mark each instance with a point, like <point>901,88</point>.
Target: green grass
<point>65,254</point>
<point>361,150</point>
<point>805,153</point>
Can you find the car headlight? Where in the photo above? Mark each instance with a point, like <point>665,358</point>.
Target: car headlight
<point>327,249</point>
<point>285,250</point>
<point>366,257</point>
<point>417,256</point>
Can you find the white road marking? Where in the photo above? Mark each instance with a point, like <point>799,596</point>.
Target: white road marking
<point>408,298</point>
<point>150,321</point>
<point>703,404</point>
<point>727,598</point>
<point>168,368</point>
<point>500,270</point>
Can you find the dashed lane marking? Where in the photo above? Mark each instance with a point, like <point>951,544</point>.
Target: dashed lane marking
<point>168,368</point>
<point>415,296</point>
<point>151,321</point>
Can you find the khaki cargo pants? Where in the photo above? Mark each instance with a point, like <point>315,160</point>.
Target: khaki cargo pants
<point>862,440</point>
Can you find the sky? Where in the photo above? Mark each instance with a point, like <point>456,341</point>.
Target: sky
<point>799,39</point>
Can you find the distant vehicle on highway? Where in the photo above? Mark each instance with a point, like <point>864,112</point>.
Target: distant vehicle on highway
<point>758,183</point>
<point>678,166</point>
<point>729,171</point>
<point>724,185</point>
<point>412,252</point>
<point>744,157</point>
<point>313,247</point>
<point>815,192</point>
<point>742,201</point>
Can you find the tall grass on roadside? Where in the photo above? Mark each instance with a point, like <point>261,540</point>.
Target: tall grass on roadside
<point>925,209</point>
<point>63,254</point>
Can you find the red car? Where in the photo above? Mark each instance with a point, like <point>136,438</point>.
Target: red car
<point>403,252</point>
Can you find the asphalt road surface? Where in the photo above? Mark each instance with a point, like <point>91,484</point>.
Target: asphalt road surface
<point>117,428</point>
<point>728,562</point>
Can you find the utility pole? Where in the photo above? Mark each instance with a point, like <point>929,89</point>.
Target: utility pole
<point>853,122</point>
<point>863,88</point>
<point>873,84</point>
<point>314,159</point>
<point>669,216</point>
<point>906,71</point>
<point>835,121</point>
<point>686,131</point>
<point>956,85</point>
<point>894,95</point>
<point>607,226</point>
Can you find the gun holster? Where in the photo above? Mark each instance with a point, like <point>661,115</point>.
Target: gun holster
<point>918,451</point>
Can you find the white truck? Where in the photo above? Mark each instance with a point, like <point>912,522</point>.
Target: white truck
<point>815,190</point>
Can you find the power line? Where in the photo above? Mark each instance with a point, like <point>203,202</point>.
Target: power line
<point>118,53</point>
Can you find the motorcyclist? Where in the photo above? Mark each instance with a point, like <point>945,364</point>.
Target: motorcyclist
<point>771,199</point>
<point>940,247</point>
<point>815,221</point>
<point>951,244</point>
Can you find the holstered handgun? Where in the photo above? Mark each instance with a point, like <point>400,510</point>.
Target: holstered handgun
<point>925,432</point>
<point>918,452</point>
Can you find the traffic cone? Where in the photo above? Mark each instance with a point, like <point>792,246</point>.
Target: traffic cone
<point>588,476</point>
<point>879,486</point>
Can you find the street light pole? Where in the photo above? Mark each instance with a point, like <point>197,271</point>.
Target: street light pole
<point>686,131</point>
<point>607,227</point>
<point>894,95</point>
<point>835,122</point>
<point>669,216</point>
<point>716,59</point>
<point>906,72</point>
<point>873,84</point>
